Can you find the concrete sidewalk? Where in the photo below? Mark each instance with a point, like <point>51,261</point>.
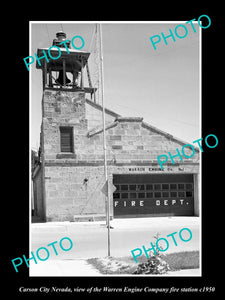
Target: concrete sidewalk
<point>81,268</point>
<point>156,222</point>
<point>61,268</point>
<point>120,223</point>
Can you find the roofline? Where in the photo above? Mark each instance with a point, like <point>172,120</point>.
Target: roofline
<point>119,118</point>
<point>71,50</point>
<point>98,129</point>
<point>99,107</point>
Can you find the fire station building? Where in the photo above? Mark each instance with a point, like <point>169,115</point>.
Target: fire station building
<point>69,181</point>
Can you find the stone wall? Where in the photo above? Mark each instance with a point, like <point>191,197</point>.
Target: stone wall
<point>94,115</point>
<point>73,183</point>
<point>39,207</point>
<point>129,140</point>
<point>68,194</point>
<point>61,108</point>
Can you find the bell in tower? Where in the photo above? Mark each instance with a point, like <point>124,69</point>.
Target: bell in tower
<point>61,37</point>
<point>64,60</point>
<point>60,81</point>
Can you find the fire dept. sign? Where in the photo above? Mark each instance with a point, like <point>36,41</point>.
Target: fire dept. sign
<point>153,195</point>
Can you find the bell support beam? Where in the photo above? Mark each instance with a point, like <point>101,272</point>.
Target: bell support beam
<point>64,72</point>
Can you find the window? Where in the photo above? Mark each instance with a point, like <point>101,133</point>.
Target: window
<point>181,194</point>
<point>165,186</point>
<point>133,195</point>
<point>116,195</point>
<point>180,186</point>
<point>66,139</point>
<point>157,186</point>
<point>124,187</point>
<point>140,187</point>
<point>132,187</point>
<point>149,187</point>
<point>173,186</point>
<point>157,194</point>
<point>141,195</point>
<point>149,195</point>
<point>173,194</point>
<point>165,194</point>
<point>188,186</point>
<point>188,194</point>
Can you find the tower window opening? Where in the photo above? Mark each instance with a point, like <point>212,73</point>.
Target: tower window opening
<point>66,139</point>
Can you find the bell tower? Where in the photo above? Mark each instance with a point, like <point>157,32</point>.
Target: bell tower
<point>63,101</point>
<point>64,127</point>
<point>64,68</point>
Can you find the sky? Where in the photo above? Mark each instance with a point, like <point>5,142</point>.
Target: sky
<point>162,85</point>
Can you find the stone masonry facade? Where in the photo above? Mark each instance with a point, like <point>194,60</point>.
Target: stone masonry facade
<point>73,181</point>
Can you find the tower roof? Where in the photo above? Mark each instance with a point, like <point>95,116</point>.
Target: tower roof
<point>74,60</point>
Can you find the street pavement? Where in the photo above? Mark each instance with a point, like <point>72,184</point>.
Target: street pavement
<point>90,239</point>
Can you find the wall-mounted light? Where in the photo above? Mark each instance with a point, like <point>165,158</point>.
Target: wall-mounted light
<point>85,181</point>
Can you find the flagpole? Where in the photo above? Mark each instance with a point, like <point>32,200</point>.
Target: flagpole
<point>104,141</point>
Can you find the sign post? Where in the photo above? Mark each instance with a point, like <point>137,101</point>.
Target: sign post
<point>107,198</point>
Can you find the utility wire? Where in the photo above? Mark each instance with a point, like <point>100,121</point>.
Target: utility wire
<point>92,38</point>
<point>48,34</point>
